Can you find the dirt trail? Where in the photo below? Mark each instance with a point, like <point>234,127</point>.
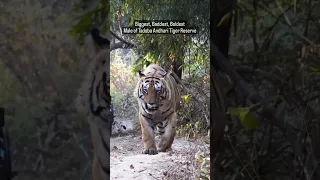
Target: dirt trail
<point>128,163</point>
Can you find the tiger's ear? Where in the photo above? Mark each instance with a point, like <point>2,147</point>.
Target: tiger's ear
<point>140,74</point>
<point>164,75</point>
<point>167,74</point>
<point>99,41</point>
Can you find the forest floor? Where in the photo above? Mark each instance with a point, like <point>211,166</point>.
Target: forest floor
<point>127,161</point>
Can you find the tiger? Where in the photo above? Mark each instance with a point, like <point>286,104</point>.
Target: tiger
<point>94,96</point>
<point>158,97</point>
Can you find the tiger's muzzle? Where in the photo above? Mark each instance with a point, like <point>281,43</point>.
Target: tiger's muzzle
<point>151,106</point>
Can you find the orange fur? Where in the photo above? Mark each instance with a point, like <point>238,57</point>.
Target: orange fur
<point>94,98</point>
<point>166,102</point>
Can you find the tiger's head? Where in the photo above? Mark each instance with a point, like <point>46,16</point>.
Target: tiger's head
<point>152,91</point>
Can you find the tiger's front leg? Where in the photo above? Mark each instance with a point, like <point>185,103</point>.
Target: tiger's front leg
<point>168,135</point>
<point>100,138</point>
<point>147,136</point>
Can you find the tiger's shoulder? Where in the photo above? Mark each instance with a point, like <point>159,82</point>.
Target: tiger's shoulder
<point>98,68</point>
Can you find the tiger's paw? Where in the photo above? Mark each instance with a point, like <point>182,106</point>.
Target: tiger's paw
<point>150,151</point>
<point>164,149</point>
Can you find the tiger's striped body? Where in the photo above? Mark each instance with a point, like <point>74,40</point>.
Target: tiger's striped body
<point>95,98</point>
<point>158,97</point>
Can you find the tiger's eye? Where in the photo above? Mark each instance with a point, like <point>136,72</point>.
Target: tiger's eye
<point>157,86</point>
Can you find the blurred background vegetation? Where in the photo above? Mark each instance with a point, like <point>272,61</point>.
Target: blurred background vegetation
<point>43,60</point>
<point>273,127</point>
<point>273,47</point>
<point>41,68</point>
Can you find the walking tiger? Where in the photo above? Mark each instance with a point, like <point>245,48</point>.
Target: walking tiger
<point>158,98</point>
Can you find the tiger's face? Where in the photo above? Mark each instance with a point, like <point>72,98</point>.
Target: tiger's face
<point>151,93</point>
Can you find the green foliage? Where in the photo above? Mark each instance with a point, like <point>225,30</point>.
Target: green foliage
<point>246,117</point>
<point>40,70</point>
<point>91,19</point>
<point>205,168</point>
<point>161,47</point>
<point>122,86</point>
<point>225,19</point>
<point>196,60</point>
<point>193,129</point>
<point>186,98</point>
<point>141,62</point>
<point>314,69</point>
<point>275,39</point>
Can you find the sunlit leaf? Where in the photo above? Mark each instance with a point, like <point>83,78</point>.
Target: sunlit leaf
<point>234,111</point>
<point>314,69</point>
<point>204,177</point>
<point>200,160</point>
<point>186,98</point>
<point>246,117</point>
<point>224,19</point>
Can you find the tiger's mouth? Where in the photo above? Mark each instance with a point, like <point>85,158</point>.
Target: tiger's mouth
<point>151,107</point>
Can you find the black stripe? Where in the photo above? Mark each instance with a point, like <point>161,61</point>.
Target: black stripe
<point>166,124</point>
<point>151,127</point>
<point>160,128</point>
<point>167,109</point>
<point>105,169</point>
<point>146,78</point>
<point>104,119</point>
<point>145,110</point>
<point>91,92</point>
<point>160,125</point>
<point>105,84</point>
<point>164,93</point>
<point>146,116</point>
<point>98,110</point>
<point>155,69</point>
<point>104,77</point>
<point>105,145</point>
<point>107,100</point>
<point>107,148</point>
<point>167,116</point>
<point>97,93</point>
